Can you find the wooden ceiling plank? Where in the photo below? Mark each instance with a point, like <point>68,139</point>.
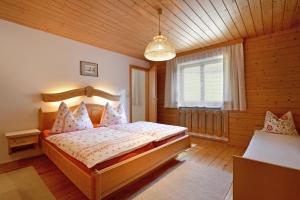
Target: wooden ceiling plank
<point>245,12</point>
<point>207,26</point>
<point>289,11</point>
<point>28,16</point>
<point>234,12</point>
<point>200,17</point>
<point>267,13</point>
<point>178,40</point>
<point>296,15</point>
<point>126,26</point>
<point>200,29</point>
<point>80,28</point>
<point>17,5</point>
<point>194,44</point>
<point>73,35</point>
<point>176,44</point>
<point>110,24</point>
<point>131,34</point>
<point>8,14</point>
<point>148,34</point>
<point>176,37</point>
<point>164,21</point>
<point>169,15</point>
<point>278,12</point>
<point>78,16</point>
<point>124,16</point>
<point>85,34</point>
<point>211,20</point>
<point>219,7</point>
<point>142,24</point>
<point>59,10</point>
<point>256,13</point>
<point>78,19</point>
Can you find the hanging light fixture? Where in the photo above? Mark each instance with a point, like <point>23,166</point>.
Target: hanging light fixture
<point>159,49</point>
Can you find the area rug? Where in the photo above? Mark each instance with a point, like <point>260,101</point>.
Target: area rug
<point>190,181</point>
<point>23,184</point>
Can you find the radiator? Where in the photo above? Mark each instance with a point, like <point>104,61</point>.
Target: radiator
<point>208,123</point>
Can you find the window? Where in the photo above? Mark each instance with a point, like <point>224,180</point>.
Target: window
<point>201,83</point>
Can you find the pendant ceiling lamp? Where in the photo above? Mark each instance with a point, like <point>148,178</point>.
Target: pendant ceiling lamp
<point>159,49</point>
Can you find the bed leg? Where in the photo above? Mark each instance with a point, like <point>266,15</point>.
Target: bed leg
<point>96,186</point>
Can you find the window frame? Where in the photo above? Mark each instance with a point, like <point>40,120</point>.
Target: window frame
<point>201,64</point>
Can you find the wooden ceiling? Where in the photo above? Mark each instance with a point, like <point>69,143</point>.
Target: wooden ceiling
<point>126,26</point>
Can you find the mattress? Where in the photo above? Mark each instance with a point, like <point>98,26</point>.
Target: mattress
<point>282,150</point>
<point>158,131</point>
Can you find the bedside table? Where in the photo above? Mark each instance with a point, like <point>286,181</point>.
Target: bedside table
<point>22,138</point>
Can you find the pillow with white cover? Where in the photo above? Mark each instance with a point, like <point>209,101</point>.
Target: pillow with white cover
<point>61,113</point>
<point>66,121</point>
<point>283,125</point>
<point>113,116</point>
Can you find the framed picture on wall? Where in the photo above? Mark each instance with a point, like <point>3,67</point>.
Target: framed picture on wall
<point>88,69</point>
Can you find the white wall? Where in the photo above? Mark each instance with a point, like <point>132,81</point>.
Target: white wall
<point>32,62</point>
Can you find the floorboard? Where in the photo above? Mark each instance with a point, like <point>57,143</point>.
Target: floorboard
<point>210,153</point>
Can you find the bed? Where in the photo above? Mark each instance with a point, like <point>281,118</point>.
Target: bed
<point>101,179</point>
<point>269,169</point>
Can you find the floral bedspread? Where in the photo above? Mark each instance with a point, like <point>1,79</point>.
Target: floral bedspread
<point>156,130</point>
<point>93,146</point>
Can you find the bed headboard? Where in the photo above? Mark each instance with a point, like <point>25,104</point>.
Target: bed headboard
<point>46,119</point>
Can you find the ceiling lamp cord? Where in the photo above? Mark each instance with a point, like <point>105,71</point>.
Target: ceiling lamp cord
<point>159,13</point>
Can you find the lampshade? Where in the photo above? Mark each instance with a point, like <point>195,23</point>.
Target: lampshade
<point>159,49</point>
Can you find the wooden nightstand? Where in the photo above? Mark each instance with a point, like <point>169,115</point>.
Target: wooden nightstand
<point>17,139</point>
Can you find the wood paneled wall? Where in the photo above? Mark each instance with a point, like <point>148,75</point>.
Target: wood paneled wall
<point>272,73</point>
<point>164,115</point>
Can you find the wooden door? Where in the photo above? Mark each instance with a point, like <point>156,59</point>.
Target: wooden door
<point>152,94</point>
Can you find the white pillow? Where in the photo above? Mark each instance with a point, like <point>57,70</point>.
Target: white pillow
<point>68,121</point>
<point>61,113</point>
<point>283,125</point>
<point>113,116</point>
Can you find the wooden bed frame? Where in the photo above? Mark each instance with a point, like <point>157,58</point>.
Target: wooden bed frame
<point>100,183</point>
<point>258,180</point>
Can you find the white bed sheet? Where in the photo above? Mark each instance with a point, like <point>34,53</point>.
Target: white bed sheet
<point>283,150</point>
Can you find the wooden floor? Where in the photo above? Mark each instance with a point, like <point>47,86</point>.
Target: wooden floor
<point>210,153</point>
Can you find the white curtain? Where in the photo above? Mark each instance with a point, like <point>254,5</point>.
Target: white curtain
<point>172,90</point>
<point>234,78</point>
<point>233,69</point>
<point>136,87</point>
<point>171,85</point>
